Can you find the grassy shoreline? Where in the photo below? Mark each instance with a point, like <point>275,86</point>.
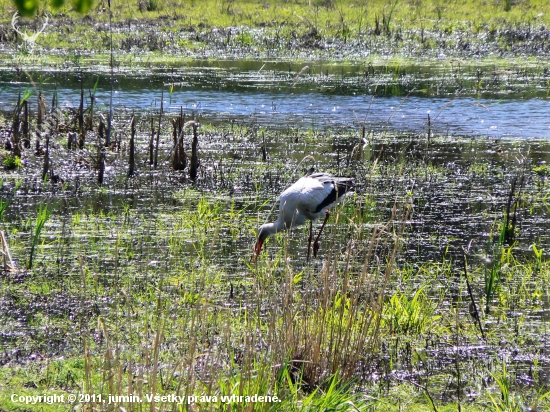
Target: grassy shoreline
<point>175,33</point>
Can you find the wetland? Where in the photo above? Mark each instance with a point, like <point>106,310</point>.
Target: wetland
<point>126,252</point>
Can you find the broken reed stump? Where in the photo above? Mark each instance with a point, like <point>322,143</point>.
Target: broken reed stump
<point>81,130</point>
<point>179,162</point>
<point>46,165</point>
<point>194,152</point>
<point>158,131</point>
<point>53,110</point>
<point>132,146</point>
<point>16,125</point>
<point>152,143</point>
<point>89,120</point>
<point>37,150</point>
<point>25,125</point>
<point>101,128</point>
<point>40,116</point>
<point>101,163</point>
<point>100,160</point>
<point>71,140</point>
<point>264,148</point>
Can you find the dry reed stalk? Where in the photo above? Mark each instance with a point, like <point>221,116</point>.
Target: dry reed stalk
<point>46,165</point>
<point>101,164</point>
<point>330,331</point>
<point>158,131</point>
<point>152,143</point>
<point>175,133</point>
<point>90,123</point>
<point>101,129</point>
<point>81,131</point>
<point>88,387</point>
<point>54,124</point>
<point>264,148</point>
<point>108,359</point>
<point>188,373</point>
<point>39,121</point>
<point>6,255</point>
<point>16,125</point>
<point>156,351</point>
<point>179,161</point>
<point>474,311</point>
<point>41,113</point>
<point>132,146</point>
<point>298,75</point>
<point>71,140</point>
<point>194,153</point>
<point>25,125</point>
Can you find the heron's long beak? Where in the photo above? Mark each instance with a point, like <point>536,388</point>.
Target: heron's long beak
<point>257,250</point>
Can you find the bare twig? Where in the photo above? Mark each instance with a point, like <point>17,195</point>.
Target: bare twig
<point>8,264</point>
<point>475,312</point>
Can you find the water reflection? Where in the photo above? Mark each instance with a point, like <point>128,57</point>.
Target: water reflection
<point>315,99</point>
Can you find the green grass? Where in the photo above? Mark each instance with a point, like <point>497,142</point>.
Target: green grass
<point>332,15</point>
<point>145,285</point>
<point>43,214</point>
<point>11,162</point>
<point>269,28</point>
<point>153,311</point>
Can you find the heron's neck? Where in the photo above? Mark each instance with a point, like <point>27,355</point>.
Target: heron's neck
<point>272,228</point>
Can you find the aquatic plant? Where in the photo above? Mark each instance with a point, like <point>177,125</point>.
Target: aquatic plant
<point>12,162</point>
<point>147,284</point>
<point>5,202</point>
<point>42,216</point>
<point>404,315</point>
<point>502,248</point>
<point>507,401</point>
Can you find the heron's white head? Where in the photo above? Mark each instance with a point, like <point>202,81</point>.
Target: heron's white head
<point>263,232</point>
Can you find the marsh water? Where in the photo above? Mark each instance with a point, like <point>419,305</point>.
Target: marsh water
<point>465,101</point>
<point>482,150</point>
<point>387,112</point>
<point>487,137</point>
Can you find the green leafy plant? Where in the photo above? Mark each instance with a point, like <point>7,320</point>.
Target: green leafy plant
<point>508,401</point>
<point>29,7</point>
<point>542,170</point>
<point>404,314</point>
<point>44,213</point>
<point>12,162</point>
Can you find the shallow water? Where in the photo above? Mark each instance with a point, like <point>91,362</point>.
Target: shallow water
<point>279,95</point>
<point>458,185</point>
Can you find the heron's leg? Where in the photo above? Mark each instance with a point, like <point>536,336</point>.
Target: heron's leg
<point>316,243</point>
<point>310,238</point>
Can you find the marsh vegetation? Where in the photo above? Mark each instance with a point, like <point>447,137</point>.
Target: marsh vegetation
<point>126,250</point>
